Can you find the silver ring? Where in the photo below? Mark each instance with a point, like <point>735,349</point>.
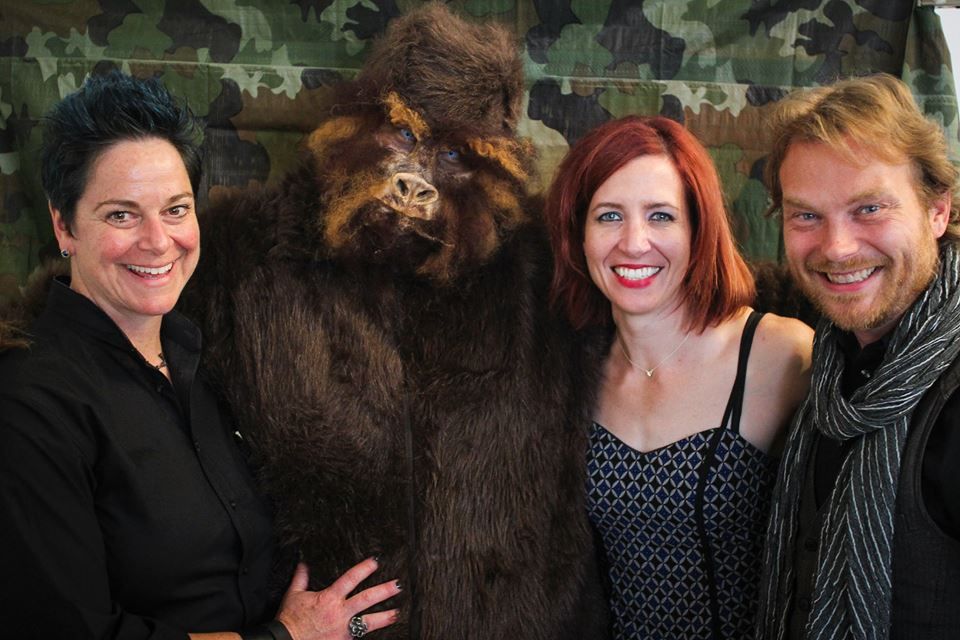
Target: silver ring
<point>357,627</point>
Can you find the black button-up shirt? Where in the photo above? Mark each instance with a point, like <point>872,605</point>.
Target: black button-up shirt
<point>126,509</point>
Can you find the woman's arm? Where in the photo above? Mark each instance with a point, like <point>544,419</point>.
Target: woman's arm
<point>53,543</point>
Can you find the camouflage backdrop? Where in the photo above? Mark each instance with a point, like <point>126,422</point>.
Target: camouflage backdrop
<point>260,72</point>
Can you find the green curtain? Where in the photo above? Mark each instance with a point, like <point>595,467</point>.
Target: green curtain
<point>260,74</point>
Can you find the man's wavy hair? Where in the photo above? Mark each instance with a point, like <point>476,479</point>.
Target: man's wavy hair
<point>876,112</point>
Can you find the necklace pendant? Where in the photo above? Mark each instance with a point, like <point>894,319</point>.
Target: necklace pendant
<point>649,372</point>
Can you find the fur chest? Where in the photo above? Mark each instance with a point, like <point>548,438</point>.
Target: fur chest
<point>435,427</point>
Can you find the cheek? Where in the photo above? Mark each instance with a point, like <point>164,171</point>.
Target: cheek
<point>107,247</point>
<point>594,252</point>
<point>187,236</point>
<point>682,247</point>
<point>796,246</point>
<point>190,242</point>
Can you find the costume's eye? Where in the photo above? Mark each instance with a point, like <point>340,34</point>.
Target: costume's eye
<point>450,156</point>
<point>407,135</point>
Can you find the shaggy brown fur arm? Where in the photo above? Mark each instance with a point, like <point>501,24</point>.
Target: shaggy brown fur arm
<point>17,316</point>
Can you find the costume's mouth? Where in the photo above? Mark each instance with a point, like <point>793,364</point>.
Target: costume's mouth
<point>411,212</point>
<point>642,273</point>
<point>380,234</point>
<point>393,225</point>
<point>150,271</point>
<point>849,277</point>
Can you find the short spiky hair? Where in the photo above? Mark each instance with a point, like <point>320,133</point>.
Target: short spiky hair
<point>877,112</point>
<point>106,110</point>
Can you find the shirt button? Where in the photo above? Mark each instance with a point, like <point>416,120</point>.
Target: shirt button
<point>196,446</point>
<point>810,544</point>
<point>804,605</point>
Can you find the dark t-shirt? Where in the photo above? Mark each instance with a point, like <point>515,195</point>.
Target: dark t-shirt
<point>126,509</point>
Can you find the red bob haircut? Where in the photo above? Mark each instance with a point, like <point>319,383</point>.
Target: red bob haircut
<point>717,283</point>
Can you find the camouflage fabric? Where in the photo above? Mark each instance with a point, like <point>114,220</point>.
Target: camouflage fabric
<point>260,74</point>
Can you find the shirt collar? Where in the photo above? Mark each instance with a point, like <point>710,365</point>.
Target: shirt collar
<point>859,363</point>
<point>70,308</point>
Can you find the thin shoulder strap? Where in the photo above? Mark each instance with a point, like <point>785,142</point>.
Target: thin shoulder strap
<point>735,403</point>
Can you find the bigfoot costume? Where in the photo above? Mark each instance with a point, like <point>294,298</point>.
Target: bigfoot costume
<point>378,322</point>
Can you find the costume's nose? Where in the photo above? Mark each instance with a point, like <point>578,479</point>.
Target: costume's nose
<point>411,190</point>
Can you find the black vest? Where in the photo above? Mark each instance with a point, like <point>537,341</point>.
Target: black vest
<point>926,561</point>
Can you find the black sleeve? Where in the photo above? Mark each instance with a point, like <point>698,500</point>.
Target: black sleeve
<point>52,556</point>
<point>941,486</point>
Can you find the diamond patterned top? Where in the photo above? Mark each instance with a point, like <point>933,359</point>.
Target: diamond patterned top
<point>655,510</point>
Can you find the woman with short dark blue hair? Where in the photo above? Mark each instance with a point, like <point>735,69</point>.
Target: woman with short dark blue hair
<point>127,510</point>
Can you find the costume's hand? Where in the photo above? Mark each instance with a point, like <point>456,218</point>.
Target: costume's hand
<point>325,615</point>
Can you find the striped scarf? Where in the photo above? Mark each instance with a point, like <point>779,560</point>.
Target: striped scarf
<point>852,591</point>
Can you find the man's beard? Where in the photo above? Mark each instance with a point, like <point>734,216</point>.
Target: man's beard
<point>897,291</point>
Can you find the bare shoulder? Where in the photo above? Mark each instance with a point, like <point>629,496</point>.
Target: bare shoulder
<point>783,342</point>
<point>778,376</point>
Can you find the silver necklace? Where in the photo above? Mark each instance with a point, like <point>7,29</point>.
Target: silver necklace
<point>649,372</point>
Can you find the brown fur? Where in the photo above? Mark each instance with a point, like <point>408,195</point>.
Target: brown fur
<point>354,316</point>
<point>15,318</point>
<point>505,151</point>
<point>777,293</point>
<point>450,70</point>
<point>333,130</point>
<point>400,115</point>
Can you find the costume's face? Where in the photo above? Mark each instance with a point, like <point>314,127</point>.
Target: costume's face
<point>135,240</point>
<point>637,237</point>
<point>858,240</point>
<point>400,194</point>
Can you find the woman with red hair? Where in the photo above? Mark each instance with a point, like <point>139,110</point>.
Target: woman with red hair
<point>694,389</point>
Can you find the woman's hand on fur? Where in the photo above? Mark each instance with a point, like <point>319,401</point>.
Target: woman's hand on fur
<point>325,615</point>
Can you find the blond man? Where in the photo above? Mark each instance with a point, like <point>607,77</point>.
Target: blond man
<point>864,540</point>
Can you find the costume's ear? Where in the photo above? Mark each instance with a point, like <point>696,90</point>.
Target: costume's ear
<point>60,229</point>
<point>331,132</point>
<point>939,212</point>
<point>509,153</point>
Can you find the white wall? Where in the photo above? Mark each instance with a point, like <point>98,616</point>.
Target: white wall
<point>950,19</point>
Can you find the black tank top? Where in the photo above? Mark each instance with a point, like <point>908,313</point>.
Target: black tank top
<point>682,525</point>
